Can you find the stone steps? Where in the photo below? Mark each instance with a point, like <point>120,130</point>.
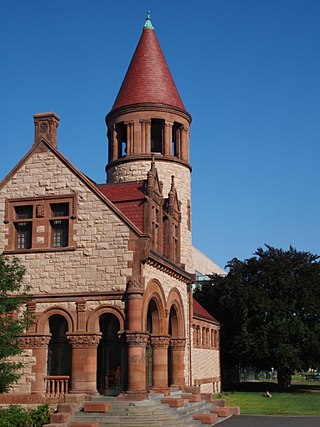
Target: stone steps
<point>188,409</point>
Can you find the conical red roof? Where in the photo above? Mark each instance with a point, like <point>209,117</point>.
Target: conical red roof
<point>148,78</point>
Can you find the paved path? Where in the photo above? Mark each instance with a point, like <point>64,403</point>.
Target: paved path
<point>270,421</point>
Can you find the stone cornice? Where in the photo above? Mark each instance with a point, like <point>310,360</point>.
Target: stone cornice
<point>163,108</point>
<point>147,157</point>
<point>163,264</point>
<point>77,296</point>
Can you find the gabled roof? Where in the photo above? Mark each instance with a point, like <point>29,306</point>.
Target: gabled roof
<point>45,145</point>
<point>129,198</point>
<point>148,79</point>
<point>199,311</point>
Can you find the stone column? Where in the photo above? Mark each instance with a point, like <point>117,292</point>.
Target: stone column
<point>160,362</point>
<point>84,362</point>
<point>148,136</point>
<point>177,346</point>
<point>39,345</point>
<point>130,137</point>
<point>137,343</point>
<point>115,143</point>
<point>168,139</point>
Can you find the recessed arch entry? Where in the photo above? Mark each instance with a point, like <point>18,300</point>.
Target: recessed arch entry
<point>165,323</point>
<point>59,349</point>
<point>111,364</point>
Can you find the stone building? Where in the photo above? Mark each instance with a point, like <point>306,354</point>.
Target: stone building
<point>111,266</point>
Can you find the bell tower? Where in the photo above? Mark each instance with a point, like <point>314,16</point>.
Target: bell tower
<point>148,120</point>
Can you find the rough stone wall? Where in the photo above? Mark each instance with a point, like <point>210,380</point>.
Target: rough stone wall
<point>27,376</point>
<point>167,283</point>
<point>206,369</point>
<point>137,170</point>
<point>100,261</point>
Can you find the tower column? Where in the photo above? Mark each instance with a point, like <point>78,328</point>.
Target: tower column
<point>168,138</point>
<point>115,144</point>
<point>148,136</point>
<point>130,137</point>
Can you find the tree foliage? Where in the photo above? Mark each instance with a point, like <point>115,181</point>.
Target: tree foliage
<point>269,308</point>
<point>13,320</point>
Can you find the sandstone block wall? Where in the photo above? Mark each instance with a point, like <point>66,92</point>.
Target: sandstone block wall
<point>100,260</point>
<point>206,369</point>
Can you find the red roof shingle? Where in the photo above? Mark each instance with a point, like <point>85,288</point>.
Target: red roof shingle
<point>148,79</point>
<point>198,310</point>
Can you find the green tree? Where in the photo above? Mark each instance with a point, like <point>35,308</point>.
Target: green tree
<point>13,319</point>
<point>269,308</point>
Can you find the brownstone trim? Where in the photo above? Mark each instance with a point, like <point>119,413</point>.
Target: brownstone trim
<point>154,291</point>
<point>163,264</point>
<point>42,325</point>
<point>81,340</point>
<point>175,300</point>
<point>148,106</point>
<point>78,296</point>
<point>93,319</point>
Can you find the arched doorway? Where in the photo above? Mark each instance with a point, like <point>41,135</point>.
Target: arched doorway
<point>110,363</point>
<point>173,333</point>
<point>59,349</point>
<point>152,328</point>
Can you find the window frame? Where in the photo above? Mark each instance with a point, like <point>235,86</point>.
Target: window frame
<point>41,239</point>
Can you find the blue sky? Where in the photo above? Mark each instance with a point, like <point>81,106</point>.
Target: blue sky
<point>248,71</point>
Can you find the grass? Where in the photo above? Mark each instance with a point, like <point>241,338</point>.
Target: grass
<point>296,403</point>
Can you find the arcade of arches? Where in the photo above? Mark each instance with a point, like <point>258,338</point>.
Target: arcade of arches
<point>110,350</point>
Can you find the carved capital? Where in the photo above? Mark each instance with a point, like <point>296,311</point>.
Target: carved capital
<point>81,306</point>
<point>160,341</point>
<point>178,343</point>
<point>134,287</point>
<point>35,341</point>
<point>84,340</point>
<point>137,339</point>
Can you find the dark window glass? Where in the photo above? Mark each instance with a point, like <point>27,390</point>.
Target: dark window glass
<point>60,209</point>
<point>24,235</point>
<point>23,212</point>
<point>59,233</point>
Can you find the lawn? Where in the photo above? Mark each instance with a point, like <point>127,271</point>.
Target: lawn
<point>295,403</point>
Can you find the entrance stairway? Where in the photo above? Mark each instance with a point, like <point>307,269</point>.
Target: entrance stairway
<point>178,409</point>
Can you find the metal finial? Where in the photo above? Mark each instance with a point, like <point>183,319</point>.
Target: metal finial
<point>148,23</point>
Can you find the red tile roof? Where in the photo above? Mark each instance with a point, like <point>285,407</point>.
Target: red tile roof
<point>148,79</point>
<point>129,198</point>
<point>198,310</point>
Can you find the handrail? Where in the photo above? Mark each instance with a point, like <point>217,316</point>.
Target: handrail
<point>56,385</point>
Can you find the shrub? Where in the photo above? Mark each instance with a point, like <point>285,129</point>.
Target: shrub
<point>17,416</point>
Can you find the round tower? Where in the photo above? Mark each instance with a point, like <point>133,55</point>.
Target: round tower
<point>148,120</point>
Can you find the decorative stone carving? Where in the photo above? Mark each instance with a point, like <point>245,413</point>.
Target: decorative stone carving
<point>137,339</point>
<point>160,341</point>
<point>134,287</point>
<point>40,210</point>
<point>84,340</point>
<point>178,343</point>
<point>35,341</point>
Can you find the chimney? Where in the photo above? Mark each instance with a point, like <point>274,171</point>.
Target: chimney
<point>46,125</point>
